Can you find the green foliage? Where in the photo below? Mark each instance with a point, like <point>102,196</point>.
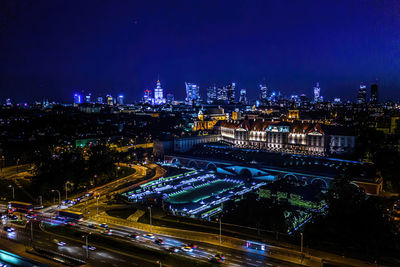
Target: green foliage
<point>80,168</point>
<point>353,222</point>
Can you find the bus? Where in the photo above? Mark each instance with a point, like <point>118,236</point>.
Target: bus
<point>19,207</point>
<point>256,245</point>
<point>67,215</point>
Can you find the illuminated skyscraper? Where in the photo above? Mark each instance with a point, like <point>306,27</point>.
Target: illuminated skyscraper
<point>109,100</point>
<point>211,94</point>
<point>374,94</point>
<point>77,99</point>
<point>88,98</point>
<point>147,99</point>
<point>263,92</point>
<point>362,94</point>
<point>317,93</point>
<point>230,92</point>
<point>100,100</point>
<point>243,97</point>
<point>192,94</point>
<point>222,93</point>
<point>159,94</point>
<point>170,98</point>
<point>120,100</point>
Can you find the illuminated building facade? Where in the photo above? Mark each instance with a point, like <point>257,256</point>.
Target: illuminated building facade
<point>295,137</point>
<point>362,94</point>
<point>77,99</point>
<point>317,93</point>
<point>120,100</point>
<point>211,94</point>
<point>230,93</point>
<point>192,94</point>
<point>263,93</point>
<point>159,94</point>
<point>243,97</point>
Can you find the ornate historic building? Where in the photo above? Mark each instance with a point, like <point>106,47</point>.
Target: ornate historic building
<point>297,137</point>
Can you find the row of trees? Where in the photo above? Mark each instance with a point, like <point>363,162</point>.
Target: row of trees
<point>81,167</point>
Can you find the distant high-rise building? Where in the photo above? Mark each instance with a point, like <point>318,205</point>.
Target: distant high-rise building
<point>211,94</point>
<point>243,97</point>
<point>230,91</point>
<point>337,100</point>
<point>263,92</point>
<point>8,102</point>
<point>362,94</point>
<point>110,100</point>
<point>120,100</point>
<point>222,93</point>
<point>77,99</point>
<point>100,100</point>
<point>159,94</point>
<point>374,94</point>
<point>88,98</point>
<point>192,94</point>
<point>170,98</point>
<point>317,93</point>
<point>147,99</point>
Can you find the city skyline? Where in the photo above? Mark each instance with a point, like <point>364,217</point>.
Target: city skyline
<point>122,50</point>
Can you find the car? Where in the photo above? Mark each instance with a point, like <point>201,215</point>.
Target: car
<point>12,217</point>
<point>133,236</point>
<point>104,225</point>
<point>193,246</point>
<point>159,241</point>
<point>149,236</point>
<point>8,229</point>
<point>31,216</point>
<point>89,247</point>
<point>70,223</point>
<point>218,258</point>
<point>173,249</point>
<point>60,243</point>
<point>107,231</point>
<point>187,249</point>
<point>92,226</point>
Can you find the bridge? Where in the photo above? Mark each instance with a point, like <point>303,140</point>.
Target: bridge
<point>253,170</point>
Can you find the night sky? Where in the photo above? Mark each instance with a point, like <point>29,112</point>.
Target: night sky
<point>51,49</point>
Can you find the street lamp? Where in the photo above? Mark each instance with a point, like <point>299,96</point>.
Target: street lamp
<point>220,230</point>
<point>301,242</point>
<point>17,164</point>
<point>98,196</point>
<point>12,190</point>
<point>66,189</point>
<point>59,195</point>
<point>87,244</point>
<point>151,226</point>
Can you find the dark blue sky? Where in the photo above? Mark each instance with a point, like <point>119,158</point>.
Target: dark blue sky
<point>53,48</point>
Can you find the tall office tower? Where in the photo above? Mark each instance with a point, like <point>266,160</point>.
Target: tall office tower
<point>222,93</point>
<point>147,97</point>
<point>110,101</point>
<point>120,100</point>
<point>263,92</point>
<point>374,94</point>
<point>100,100</point>
<point>317,93</point>
<point>88,98</point>
<point>8,102</point>
<point>159,94</point>
<point>211,94</point>
<point>243,97</point>
<point>170,98</point>
<point>77,99</point>
<point>192,94</point>
<point>230,93</point>
<point>362,94</point>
